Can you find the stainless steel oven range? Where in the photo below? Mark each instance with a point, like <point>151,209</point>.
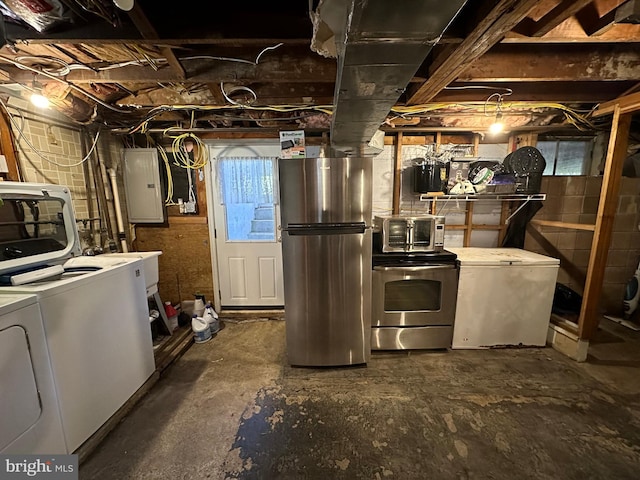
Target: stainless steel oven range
<point>413,300</point>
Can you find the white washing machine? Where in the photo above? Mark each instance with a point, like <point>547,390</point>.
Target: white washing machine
<point>29,414</point>
<point>94,309</point>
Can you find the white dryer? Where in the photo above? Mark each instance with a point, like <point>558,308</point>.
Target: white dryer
<point>29,414</point>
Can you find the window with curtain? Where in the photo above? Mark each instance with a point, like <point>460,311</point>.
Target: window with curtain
<point>247,191</point>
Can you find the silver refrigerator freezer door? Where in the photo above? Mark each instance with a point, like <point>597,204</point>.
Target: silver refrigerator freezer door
<point>325,206</point>
<point>325,190</point>
<point>328,298</point>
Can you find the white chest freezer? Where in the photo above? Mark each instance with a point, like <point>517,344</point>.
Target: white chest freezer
<point>504,298</point>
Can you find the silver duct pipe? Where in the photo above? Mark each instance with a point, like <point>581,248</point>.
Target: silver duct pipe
<point>379,46</point>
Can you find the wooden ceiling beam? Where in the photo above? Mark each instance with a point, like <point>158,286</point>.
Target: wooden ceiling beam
<point>566,62</point>
<point>592,23</point>
<point>534,91</point>
<point>174,42</point>
<point>147,30</point>
<point>308,68</point>
<point>501,19</point>
<point>267,94</point>
<point>561,12</point>
<point>627,104</point>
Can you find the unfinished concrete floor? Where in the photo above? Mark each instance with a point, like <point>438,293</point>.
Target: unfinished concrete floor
<point>232,408</point>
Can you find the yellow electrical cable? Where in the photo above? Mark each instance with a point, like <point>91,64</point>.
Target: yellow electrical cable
<point>181,154</point>
<point>163,154</point>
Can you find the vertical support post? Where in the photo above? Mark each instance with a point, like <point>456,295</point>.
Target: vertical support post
<point>468,221</point>
<point>8,148</point>
<point>397,174</point>
<point>616,153</point>
<point>504,214</point>
<point>476,144</point>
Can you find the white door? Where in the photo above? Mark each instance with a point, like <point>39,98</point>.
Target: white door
<point>246,219</point>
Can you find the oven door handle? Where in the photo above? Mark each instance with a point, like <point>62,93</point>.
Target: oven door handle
<point>420,268</point>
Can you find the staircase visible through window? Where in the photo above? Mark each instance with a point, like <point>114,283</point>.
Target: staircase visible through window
<point>247,186</point>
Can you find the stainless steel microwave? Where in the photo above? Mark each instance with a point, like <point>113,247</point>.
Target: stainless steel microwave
<point>409,233</point>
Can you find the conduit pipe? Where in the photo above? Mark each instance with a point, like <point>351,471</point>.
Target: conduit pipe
<point>116,205</point>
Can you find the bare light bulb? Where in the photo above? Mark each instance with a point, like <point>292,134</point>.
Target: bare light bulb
<point>125,5</point>
<point>39,101</point>
<point>497,126</point>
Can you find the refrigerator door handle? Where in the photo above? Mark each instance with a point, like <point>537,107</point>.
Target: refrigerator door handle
<point>325,228</point>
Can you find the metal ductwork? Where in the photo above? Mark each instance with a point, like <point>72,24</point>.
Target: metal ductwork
<point>628,12</point>
<point>379,46</point>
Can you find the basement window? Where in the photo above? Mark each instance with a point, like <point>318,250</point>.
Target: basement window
<point>566,156</point>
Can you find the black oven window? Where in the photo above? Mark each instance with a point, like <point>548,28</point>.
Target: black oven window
<point>421,232</point>
<point>412,295</point>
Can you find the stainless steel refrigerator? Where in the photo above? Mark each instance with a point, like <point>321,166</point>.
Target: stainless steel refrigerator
<point>325,206</point>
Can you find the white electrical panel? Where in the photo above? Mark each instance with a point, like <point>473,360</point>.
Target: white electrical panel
<point>142,185</point>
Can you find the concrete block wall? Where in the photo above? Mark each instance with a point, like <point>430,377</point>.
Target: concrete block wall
<point>58,144</point>
<point>575,200</point>
<point>55,138</point>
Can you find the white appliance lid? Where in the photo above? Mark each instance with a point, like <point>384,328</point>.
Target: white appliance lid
<point>500,256</point>
<point>37,226</point>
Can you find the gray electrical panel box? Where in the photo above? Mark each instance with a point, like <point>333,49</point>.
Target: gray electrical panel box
<point>142,185</point>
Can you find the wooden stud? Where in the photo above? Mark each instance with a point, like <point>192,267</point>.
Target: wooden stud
<point>397,175</point>
<point>626,104</point>
<point>8,148</point>
<point>468,220</point>
<point>616,153</point>
<point>571,226</point>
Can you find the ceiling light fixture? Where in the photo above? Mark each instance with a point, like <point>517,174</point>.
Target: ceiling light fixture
<point>125,5</point>
<point>37,99</point>
<point>498,124</point>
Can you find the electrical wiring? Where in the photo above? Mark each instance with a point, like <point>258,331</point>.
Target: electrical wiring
<point>181,151</point>
<point>39,153</point>
<point>143,124</point>
<point>237,89</point>
<point>507,91</point>
<point>163,153</point>
<point>266,50</point>
<point>572,116</point>
<point>70,85</point>
<point>65,67</point>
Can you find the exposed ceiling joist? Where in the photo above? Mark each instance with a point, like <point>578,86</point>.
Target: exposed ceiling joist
<point>491,29</point>
<point>592,23</point>
<point>534,91</point>
<point>147,30</point>
<point>564,10</point>
<point>566,62</point>
<point>289,69</point>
